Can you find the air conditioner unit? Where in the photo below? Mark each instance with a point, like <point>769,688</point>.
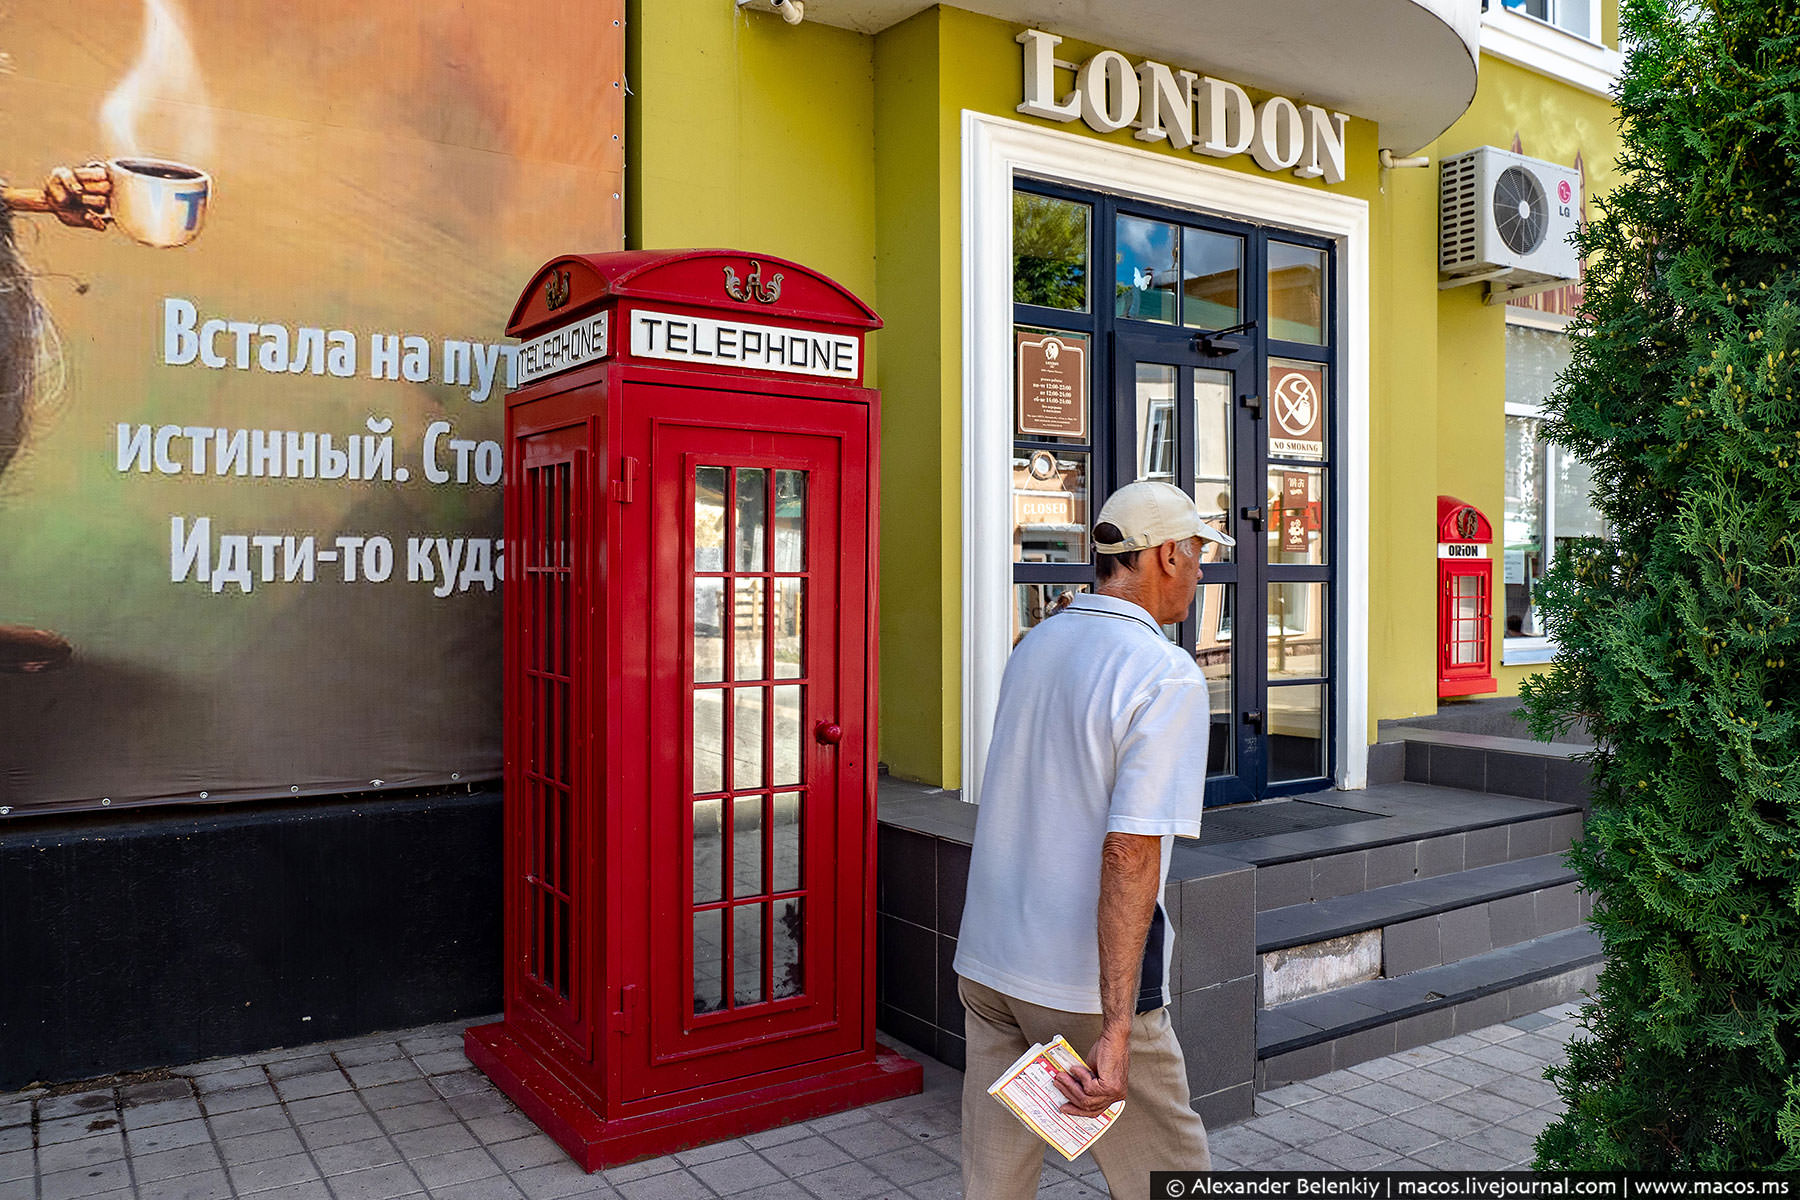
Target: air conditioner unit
<point>1505,219</point>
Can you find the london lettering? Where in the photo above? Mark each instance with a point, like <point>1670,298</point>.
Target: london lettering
<point>1190,111</point>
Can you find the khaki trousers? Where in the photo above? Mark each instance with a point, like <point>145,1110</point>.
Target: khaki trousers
<point>1158,1129</point>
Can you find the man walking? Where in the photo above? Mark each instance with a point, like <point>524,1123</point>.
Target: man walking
<point>1098,759</point>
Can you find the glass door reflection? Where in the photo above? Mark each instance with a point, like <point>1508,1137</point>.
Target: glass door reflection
<point>748,799</point>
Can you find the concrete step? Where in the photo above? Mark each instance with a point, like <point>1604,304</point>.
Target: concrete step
<point>1388,853</point>
<point>1324,1033</point>
<point>1309,949</point>
<point>1505,766</point>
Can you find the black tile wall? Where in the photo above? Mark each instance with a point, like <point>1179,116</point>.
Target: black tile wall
<point>1458,767</point>
<point>1440,855</point>
<point>1217,928</point>
<point>1304,1063</point>
<point>1361,1047</point>
<point>908,966</point>
<point>1410,946</point>
<point>914,1031</point>
<point>1423,1028</point>
<point>1485,847</point>
<point>1513,919</point>
<point>1398,863</point>
<point>1281,884</point>
<point>1171,903</point>
<point>1516,774</point>
<point>1224,1107</point>
<point>1217,1030</point>
<point>1558,908</point>
<point>952,1050</point>
<point>1464,933</point>
<point>1565,831</point>
<point>1569,780</point>
<point>949,1004</point>
<point>1418,762</point>
<point>1339,874</point>
<point>906,879</point>
<point>1531,838</point>
<point>1387,762</point>
<point>1482,1011</point>
<point>952,885</point>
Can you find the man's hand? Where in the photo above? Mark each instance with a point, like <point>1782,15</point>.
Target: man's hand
<point>79,196</point>
<point>1130,869</point>
<point>1092,1092</point>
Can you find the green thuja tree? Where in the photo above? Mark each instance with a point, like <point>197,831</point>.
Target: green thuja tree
<point>1679,634</point>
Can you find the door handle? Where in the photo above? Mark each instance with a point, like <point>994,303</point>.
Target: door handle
<point>1254,515</point>
<point>828,733</point>
<point>1255,718</point>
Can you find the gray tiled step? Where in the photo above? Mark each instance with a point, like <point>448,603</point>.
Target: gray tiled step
<point>1414,854</point>
<point>1382,1002</point>
<point>1554,771</point>
<point>1301,924</point>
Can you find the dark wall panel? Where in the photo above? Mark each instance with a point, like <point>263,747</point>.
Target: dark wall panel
<point>166,938</point>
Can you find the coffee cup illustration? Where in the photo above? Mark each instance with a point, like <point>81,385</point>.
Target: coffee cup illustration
<point>158,202</point>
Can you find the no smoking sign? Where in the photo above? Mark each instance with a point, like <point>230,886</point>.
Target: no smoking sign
<point>1297,406</point>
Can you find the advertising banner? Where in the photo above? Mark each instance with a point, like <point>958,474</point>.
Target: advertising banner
<point>255,262</point>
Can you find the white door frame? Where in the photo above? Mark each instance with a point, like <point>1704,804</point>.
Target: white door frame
<point>995,149</point>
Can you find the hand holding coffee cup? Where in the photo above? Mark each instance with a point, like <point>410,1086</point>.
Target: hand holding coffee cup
<point>158,202</point>
<point>153,200</point>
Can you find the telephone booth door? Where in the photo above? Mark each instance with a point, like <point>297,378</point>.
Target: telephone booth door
<point>756,821</point>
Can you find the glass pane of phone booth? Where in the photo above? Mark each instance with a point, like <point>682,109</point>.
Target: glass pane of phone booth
<point>749,800</point>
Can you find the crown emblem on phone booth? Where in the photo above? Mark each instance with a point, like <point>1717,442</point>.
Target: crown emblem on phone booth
<point>556,290</point>
<point>752,287</point>
<point>1467,524</point>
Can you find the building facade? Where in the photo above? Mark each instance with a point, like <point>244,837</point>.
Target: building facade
<point>1189,242</point>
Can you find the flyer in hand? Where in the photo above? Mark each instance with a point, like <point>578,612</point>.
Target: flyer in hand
<point>1028,1087</point>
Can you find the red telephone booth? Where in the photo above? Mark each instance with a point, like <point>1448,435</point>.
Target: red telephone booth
<point>1465,600</point>
<point>690,704</point>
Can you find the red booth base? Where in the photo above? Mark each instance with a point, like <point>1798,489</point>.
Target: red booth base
<point>1478,686</point>
<point>596,1143</point>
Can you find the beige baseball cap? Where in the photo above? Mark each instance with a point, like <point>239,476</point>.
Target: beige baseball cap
<point>1150,513</point>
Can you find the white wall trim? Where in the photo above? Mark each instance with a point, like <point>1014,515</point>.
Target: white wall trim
<point>994,150</point>
<point>1542,47</point>
<point>1526,651</point>
<point>1533,319</point>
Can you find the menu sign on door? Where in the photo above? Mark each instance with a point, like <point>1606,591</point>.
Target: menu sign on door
<point>1295,497</point>
<point>1052,385</point>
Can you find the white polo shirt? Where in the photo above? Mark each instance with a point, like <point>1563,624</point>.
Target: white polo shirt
<point>1101,729</point>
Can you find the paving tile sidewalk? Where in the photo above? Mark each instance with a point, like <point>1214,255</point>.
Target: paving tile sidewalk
<point>403,1114</point>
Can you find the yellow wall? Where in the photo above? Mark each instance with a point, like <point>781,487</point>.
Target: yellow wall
<point>752,134</point>
<point>1403,437</point>
<point>918,262</point>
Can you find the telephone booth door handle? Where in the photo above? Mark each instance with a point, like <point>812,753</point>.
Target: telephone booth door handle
<point>828,733</point>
